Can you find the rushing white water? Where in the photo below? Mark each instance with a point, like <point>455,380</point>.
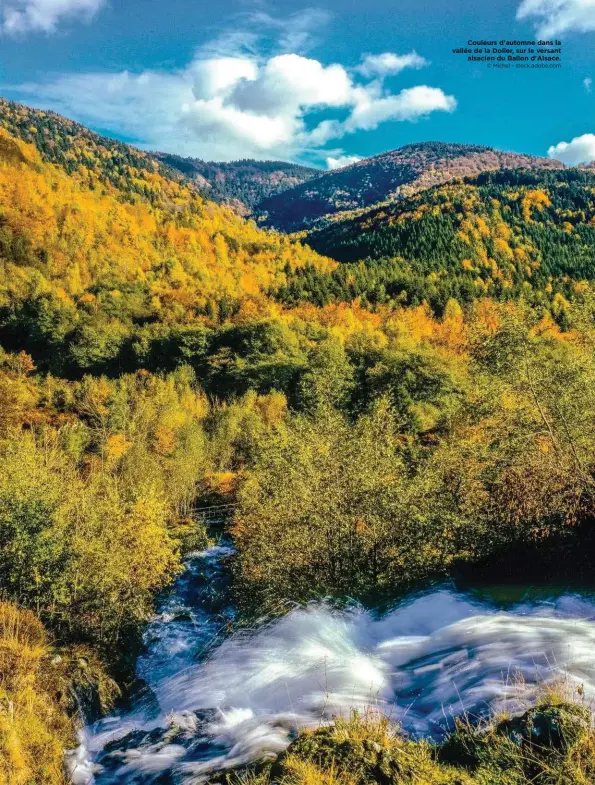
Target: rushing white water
<point>217,705</point>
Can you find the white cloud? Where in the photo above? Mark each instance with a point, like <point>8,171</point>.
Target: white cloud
<point>410,104</point>
<point>287,82</point>
<point>342,160</point>
<point>556,17</point>
<point>24,16</point>
<point>581,150</point>
<point>297,32</point>
<point>217,76</point>
<point>240,105</point>
<point>390,63</point>
<point>588,83</point>
<point>144,106</point>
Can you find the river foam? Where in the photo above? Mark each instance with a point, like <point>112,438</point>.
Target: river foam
<point>423,663</point>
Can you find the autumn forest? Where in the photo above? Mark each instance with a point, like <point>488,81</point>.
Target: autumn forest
<point>399,395</point>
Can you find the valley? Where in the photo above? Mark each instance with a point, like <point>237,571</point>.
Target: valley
<point>384,375</point>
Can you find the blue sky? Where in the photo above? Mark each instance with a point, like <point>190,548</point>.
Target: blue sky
<point>321,84</point>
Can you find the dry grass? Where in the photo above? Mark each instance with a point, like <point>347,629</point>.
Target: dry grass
<point>34,728</point>
<point>553,743</point>
<point>304,772</point>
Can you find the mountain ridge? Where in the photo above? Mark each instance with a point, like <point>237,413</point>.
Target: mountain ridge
<point>242,184</point>
<point>282,195</point>
<point>387,177</point>
<point>68,143</point>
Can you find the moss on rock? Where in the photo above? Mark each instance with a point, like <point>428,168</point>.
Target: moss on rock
<point>367,749</point>
<point>550,744</point>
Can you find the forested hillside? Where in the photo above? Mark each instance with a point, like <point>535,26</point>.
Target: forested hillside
<point>242,184</point>
<point>503,234</point>
<point>102,270</point>
<point>77,149</point>
<point>386,177</point>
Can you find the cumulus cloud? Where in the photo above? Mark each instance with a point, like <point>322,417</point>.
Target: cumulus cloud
<point>288,82</point>
<point>217,76</point>
<point>341,161</point>
<point>556,17</point>
<point>410,104</point>
<point>588,83</point>
<point>242,104</point>
<point>580,150</point>
<point>24,16</point>
<point>390,63</point>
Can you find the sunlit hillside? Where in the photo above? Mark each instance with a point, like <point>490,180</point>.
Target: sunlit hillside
<point>506,234</point>
<point>96,257</point>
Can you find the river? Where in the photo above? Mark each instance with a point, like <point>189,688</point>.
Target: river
<point>215,700</point>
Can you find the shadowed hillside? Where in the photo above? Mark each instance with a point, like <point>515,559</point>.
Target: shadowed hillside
<point>385,177</point>
<point>241,184</point>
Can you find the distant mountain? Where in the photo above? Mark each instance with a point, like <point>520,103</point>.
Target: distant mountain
<point>386,177</point>
<point>242,184</point>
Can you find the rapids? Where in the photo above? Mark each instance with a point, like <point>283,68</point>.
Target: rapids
<point>215,701</point>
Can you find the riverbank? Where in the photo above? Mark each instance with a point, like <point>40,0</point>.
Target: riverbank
<point>550,744</point>
<point>43,692</point>
<point>566,557</point>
